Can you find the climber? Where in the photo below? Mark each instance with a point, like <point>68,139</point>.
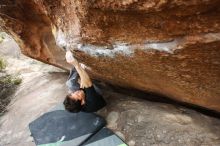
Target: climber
<point>82,94</point>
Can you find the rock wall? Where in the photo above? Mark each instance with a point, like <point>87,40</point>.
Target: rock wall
<point>169,47</point>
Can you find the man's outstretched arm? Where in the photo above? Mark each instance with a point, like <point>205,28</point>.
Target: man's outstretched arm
<point>84,77</point>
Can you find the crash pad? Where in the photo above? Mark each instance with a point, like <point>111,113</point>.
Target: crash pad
<point>62,128</point>
<point>104,137</point>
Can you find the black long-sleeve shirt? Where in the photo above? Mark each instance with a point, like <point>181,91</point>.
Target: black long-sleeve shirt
<point>93,100</point>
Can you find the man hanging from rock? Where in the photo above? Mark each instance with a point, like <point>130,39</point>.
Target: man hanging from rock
<point>82,94</point>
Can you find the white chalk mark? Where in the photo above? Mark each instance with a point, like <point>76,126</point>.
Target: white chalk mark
<point>62,138</point>
<point>93,50</point>
<point>61,39</point>
<point>166,46</point>
<point>125,49</point>
<point>128,49</point>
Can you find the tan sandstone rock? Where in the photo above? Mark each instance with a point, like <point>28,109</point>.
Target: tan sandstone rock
<point>166,47</point>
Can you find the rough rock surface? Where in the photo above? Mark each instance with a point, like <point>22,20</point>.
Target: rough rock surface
<point>170,47</point>
<point>137,121</point>
<point>143,123</point>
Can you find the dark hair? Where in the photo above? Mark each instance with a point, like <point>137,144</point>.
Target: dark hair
<point>72,105</point>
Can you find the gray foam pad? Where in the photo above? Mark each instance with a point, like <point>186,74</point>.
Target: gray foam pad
<point>104,137</point>
<point>60,127</point>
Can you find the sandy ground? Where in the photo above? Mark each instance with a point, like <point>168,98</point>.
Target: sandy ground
<point>139,122</point>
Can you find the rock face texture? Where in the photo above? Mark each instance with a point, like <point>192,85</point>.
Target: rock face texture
<point>169,47</point>
<point>143,123</point>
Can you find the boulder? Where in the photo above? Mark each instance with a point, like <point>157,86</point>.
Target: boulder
<point>166,47</point>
